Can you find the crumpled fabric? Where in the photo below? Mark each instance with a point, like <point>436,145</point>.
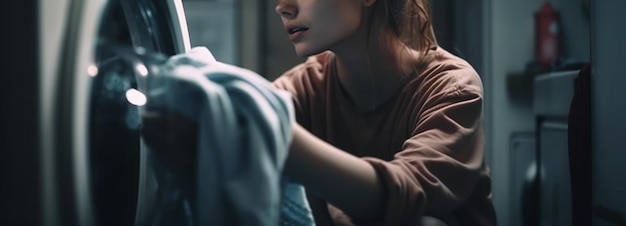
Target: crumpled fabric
<point>244,129</point>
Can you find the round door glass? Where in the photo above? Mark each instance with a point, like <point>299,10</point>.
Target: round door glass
<point>114,121</point>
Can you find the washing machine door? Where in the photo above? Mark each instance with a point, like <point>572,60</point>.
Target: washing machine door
<point>95,137</point>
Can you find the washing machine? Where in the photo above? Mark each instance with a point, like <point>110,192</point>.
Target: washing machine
<point>70,135</point>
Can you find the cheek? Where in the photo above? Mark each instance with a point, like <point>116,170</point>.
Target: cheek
<point>349,21</point>
<point>340,24</point>
<point>344,16</point>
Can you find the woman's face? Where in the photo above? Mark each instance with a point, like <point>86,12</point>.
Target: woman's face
<point>314,26</point>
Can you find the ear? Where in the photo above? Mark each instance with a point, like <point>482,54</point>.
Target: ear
<point>368,3</point>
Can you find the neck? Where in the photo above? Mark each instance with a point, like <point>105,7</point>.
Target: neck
<point>371,75</point>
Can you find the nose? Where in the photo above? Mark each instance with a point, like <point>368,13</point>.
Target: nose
<point>286,9</point>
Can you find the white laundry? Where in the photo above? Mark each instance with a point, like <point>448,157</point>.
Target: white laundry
<point>244,135</point>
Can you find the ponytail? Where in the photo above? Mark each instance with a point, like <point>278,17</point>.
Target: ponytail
<point>417,30</point>
<point>407,20</point>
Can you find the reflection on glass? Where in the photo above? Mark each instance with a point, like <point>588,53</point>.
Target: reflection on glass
<point>135,97</point>
<point>113,128</point>
<point>130,34</point>
<point>92,70</point>
<point>141,69</point>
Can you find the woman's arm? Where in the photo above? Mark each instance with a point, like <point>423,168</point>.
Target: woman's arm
<point>346,181</point>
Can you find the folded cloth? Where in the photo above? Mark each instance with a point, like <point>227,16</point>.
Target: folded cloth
<point>244,131</point>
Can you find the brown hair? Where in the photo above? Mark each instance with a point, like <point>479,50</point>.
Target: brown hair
<point>407,20</point>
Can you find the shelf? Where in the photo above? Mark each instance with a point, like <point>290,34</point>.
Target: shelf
<point>519,87</point>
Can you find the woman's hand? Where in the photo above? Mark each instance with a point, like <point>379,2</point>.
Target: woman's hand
<point>173,139</point>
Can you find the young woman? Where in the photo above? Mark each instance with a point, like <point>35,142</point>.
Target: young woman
<point>390,125</point>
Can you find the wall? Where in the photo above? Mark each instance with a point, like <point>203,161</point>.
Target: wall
<point>510,45</point>
<point>214,24</point>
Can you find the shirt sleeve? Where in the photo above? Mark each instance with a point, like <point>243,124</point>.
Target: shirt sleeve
<point>291,81</point>
<point>439,165</point>
<point>304,82</point>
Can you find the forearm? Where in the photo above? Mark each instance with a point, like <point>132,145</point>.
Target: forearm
<point>346,181</point>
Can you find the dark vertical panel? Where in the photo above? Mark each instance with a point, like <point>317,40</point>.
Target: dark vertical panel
<point>608,51</point>
<point>263,24</point>
<point>443,18</point>
<point>469,29</point>
<point>20,199</point>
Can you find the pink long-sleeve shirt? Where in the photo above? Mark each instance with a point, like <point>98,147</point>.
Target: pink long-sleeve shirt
<point>426,142</point>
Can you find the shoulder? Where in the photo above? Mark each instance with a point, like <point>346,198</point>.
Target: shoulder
<point>446,73</point>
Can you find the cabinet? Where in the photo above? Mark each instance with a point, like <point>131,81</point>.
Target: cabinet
<point>523,172</point>
<point>552,95</point>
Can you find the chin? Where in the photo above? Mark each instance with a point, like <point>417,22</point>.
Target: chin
<point>306,51</point>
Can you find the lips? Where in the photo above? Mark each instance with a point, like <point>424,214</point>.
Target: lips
<point>295,31</point>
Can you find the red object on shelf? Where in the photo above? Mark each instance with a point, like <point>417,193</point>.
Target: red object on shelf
<point>547,35</point>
